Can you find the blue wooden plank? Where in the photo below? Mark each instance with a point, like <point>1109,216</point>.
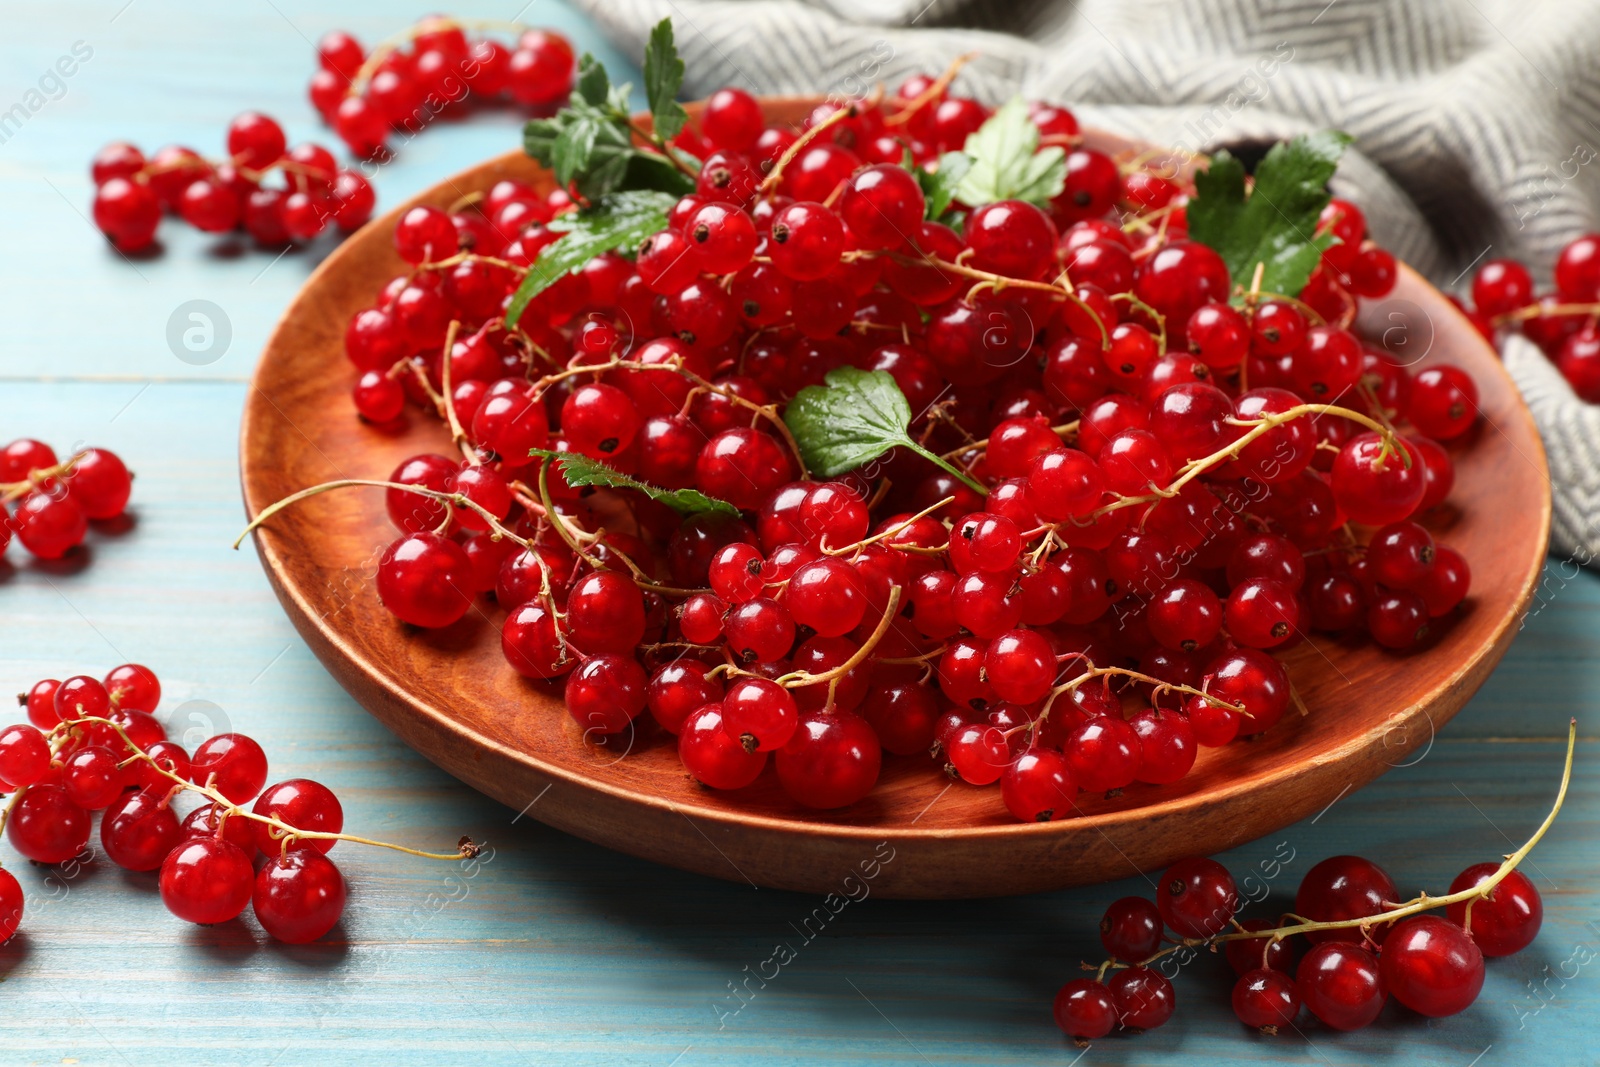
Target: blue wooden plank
<point>551,949</point>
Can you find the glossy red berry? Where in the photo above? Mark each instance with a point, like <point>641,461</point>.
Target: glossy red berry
<point>206,881</point>
<point>1373,483</point>
<point>1444,402</point>
<point>605,693</point>
<point>1130,930</point>
<point>299,897</point>
<point>46,826</point>
<point>1340,984</point>
<point>1345,887</point>
<point>233,764</point>
<point>599,420</point>
<point>882,206</point>
<point>10,905</point>
<point>302,804</point>
<point>759,714</point>
<point>1143,996</point>
<point>1038,787</point>
<point>1103,752</point>
<point>1085,1010</point>
<point>831,761</point>
<point>806,241</point>
<point>712,756</point>
<point>1508,919</point>
<point>426,580</point>
<point>1262,613</point>
<point>1011,237</point>
<point>24,755</point>
<point>732,120</point>
<point>138,830</point>
<point>1266,999</point>
<point>1197,897</point>
<point>1431,966</point>
<point>1501,285</point>
<point>127,212</point>
<point>605,613</point>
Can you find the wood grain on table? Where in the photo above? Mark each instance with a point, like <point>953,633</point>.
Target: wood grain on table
<point>550,950</point>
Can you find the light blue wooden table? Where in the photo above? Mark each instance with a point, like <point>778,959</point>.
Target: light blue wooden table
<point>554,950</point>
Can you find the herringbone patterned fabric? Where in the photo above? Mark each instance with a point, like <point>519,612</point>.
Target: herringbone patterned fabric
<point>1476,122</point>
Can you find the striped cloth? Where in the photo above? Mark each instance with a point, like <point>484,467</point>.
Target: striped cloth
<point>1476,122</point>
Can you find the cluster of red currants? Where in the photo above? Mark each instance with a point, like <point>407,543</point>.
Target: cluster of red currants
<point>365,97</point>
<point>1137,479</point>
<point>53,501</point>
<point>1349,945</point>
<point>96,745</point>
<point>1564,323</point>
<point>131,192</point>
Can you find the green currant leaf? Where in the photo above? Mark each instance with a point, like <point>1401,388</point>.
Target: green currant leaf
<point>594,84</point>
<point>580,470</point>
<point>1007,163</point>
<point>589,144</point>
<point>939,185</point>
<point>663,77</point>
<point>620,220</point>
<point>853,419</point>
<point>1276,223</point>
<point>574,147</point>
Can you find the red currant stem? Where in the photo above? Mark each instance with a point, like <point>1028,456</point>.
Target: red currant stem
<point>1423,902</point>
<point>471,257</point>
<point>223,804</point>
<point>661,645</point>
<point>1539,311</point>
<point>575,539</point>
<point>1160,687</point>
<point>899,527</point>
<point>1150,219</point>
<point>459,500</point>
<point>36,478</point>
<point>770,184</point>
<point>795,679</point>
<point>933,92</point>
<point>1316,317</point>
<point>1258,427</point>
<point>198,163</point>
<point>928,656</point>
<point>414,365</point>
<point>767,411</point>
<point>381,50</point>
<point>1139,305</point>
<point>1137,163</point>
<point>529,499</point>
<point>458,436</point>
<point>1299,702</point>
<point>1002,282</point>
<point>667,152</point>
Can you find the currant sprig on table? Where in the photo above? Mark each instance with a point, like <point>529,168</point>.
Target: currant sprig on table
<point>1365,943</point>
<point>96,745</point>
<point>275,193</point>
<point>49,503</point>
<point>1564,322</point>
<point>920,428</point>
<point>431,68</point>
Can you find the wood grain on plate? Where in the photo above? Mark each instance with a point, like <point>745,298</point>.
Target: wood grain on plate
<point>451,695</point>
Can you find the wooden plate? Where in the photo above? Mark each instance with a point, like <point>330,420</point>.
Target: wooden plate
<point>452,697</point>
